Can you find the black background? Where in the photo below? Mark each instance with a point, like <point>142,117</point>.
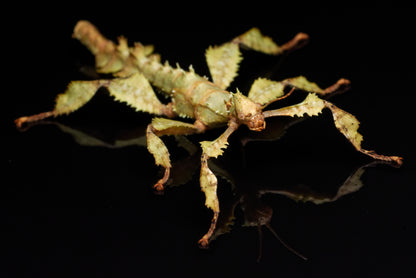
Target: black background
<point>70,210</point>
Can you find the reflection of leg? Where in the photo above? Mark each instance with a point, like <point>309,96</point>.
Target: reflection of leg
<point>157,148</point>
<point>208,181</point>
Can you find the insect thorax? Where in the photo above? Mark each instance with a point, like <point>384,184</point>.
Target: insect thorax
<point>248,112</point>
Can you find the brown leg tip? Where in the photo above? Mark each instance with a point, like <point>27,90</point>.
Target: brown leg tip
<point>302,38</point>
<point>344,82</point>
<point>203,243</point>
<point>159,188</point>
<point>398,160</point>
<point>395,161</point>
<point>340,87</point>
<point>20,121</point>
<point>37,117</point>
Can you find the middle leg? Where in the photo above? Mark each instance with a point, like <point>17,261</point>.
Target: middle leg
<point>155,145</point>
<point>208,180</point>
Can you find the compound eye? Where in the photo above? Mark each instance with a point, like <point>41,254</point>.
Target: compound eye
<point>257,124</point>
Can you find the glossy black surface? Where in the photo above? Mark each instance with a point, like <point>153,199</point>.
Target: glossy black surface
<point>74,210</point>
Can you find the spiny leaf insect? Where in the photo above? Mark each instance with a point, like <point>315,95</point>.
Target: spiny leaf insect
<point>136,69</point>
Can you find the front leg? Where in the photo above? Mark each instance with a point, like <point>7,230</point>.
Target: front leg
<point>208,180</point>
<point>346,123</point>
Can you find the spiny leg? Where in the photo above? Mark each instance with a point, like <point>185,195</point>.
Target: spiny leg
<point>134,90</point>
<point>223,60</point>
<point>158,128</point>
<point>255,40</point>
<point>77,94</point>
<point>264,91</point>
<point>208,181</point>
<point>346,123</point>
<point>302,83</point>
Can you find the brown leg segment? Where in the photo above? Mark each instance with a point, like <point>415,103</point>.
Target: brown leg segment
<point>159,186</point>
<point>300,40</point>
<point>28,119</point>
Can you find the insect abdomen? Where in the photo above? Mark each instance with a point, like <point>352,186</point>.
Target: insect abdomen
<point>192,96</point>
<point>165,77</point>
<point>210,103</point>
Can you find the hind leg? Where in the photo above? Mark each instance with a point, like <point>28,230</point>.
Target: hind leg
<point>134,90</point>
<point>77,94</point>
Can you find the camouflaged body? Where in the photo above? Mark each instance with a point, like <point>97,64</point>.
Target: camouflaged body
<point>192,96</point>
<point>136,69</point>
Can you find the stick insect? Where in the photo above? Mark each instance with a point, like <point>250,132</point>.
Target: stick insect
<point>136,68</point>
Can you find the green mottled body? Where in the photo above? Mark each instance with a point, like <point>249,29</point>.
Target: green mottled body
<point>192,95</point>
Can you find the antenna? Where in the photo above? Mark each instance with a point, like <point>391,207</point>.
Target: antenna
<point>260,242</point>
<point>281,241</point>
<point>279,98</point>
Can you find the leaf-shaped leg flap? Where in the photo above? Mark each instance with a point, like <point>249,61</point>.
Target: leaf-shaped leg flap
<point>137,92</point>
<point>160,152</point>
<point>134,90</point>
<point>264,91</point>
<point>223,60</point>
<point>223,63</point>
<point>300,82</point>
<point>345,122</point>
<point>312,106</point>
<point>208,182</point>
<point>348,125</point>
<point>254,39</point>
<point>207,179</point>
<point>76,95</point>
<point>158,149</point>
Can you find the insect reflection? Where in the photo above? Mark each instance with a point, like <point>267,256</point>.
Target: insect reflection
<point>247,192</point>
